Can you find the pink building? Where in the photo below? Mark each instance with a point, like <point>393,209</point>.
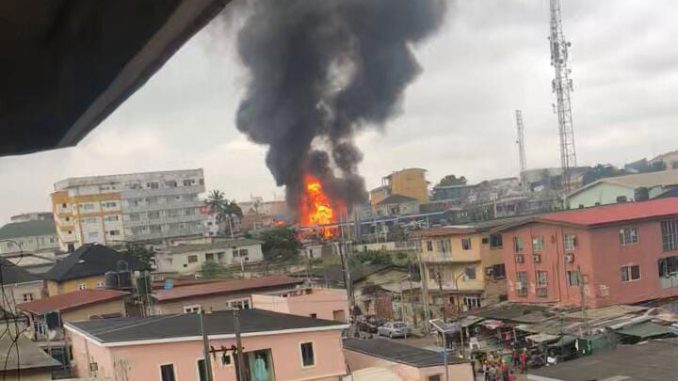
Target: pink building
<point>625,253</point>
<point>277,347</point>
<point>321,303</point>
<point>408,362</point>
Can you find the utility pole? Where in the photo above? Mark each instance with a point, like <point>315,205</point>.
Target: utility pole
<point>562,86</point>
<point>240,364</point>
<point>205,347</point>
<point>582,296</point>
<point>520,141</point>
<point>424,289</point>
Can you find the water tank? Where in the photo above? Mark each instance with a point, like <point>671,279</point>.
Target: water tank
<point>124,280</point>
<point>111,279</point>
<point>641,194</point>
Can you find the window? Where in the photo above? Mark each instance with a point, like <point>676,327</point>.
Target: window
<point>114,232</point>
<point>242,304</point>
<point>87,206</point>
<point>171,184</point>
<point>307,357</point>
<point>155,229</point>
<point>151,201</point>
<point>220,256</point>
<point>110,204</point>
<point>209,257</point>
<point>542,278</point>
<point>573,279</point>
<point>192,309</point>
<point>101,284</point>
<point>153,215</point>
<point>570,242</point>
<point>112,218</point>
<point>435,377</point>
<point>314,316</point>
<point>518,245</point>
<point>670,235</point>
<point>628,236</point>
<point>202,370</point>
<point>27,297</point>
<point>630,273</point>
<point>466,243</point>
<point>192,259</point>
<point>521,283</point>
<point>429,245</point>
<point>89,220</point>
<point>472,302</point>
<point>240,253</point>
<point>189,212</point>
<point>668,267</point>
<point>172,213</point>
<point>485,241</point>
<point>470,272</point>
<point>82,286</point>
<point>538,244</point>
<point>496,241</point>
<point>152,185</point>
<point>167,372</point>
<point>135,217</point>
<point>499,271</point>
<point>189,182</point>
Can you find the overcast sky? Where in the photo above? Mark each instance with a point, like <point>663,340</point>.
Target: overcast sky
<point>490,58</point>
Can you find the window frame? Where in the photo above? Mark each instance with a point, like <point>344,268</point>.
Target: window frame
<point>430,376</point>
<point>82,286</point>
<point>523,284</point>
<point>174,371</point>
<point>301,354</point>
<point>622,236</point>
<point>570,238</point>
<point>542,244</point>
<point>197,368</point>
<point>568,278</point>
<point>429,246</point>
<point>192,309</point>
<point>628,270</point>
<point>466,244</point>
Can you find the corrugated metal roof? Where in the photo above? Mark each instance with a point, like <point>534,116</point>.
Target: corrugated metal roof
<point>607,214</point>
<point>226,287</point>
<point>645,330</point>
<point>70,300</point>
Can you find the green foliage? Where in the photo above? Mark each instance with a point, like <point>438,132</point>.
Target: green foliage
<point>452,180</point>
<point>370,258</point>
<point>280,244</point>
<point>224,209</point>
<point>211,270</point>
<point>140,253</point>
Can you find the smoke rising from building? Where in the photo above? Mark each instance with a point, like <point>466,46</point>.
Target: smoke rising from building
<point>320,70</point>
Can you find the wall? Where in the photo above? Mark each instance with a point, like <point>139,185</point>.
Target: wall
<point>15,293</point>
<point>143,361</point>
<point>86,312</point>
<point>602,193</point>
<point>321,302</point>
<point>210,302</point>
<point>39,374</point>
<point>178,262</point>
<point>30,244</point>
<point>410,182</point>
<point>92,283</point>
<point>457,372</point>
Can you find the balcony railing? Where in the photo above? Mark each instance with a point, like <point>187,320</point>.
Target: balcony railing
<point>448,257</point>
<point>137,193</point>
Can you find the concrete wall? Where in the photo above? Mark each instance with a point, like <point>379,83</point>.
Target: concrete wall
<point>328,304</point>
<point>86,312</point>
<point>457,372</point>
<point>210,302</point>
<point>602,193</point>
<point>142,362</point>
<point>15,293</point>
<point>40,374</point>
<point>178,263</point>
<point>410,182</point>
<point>91,283</point>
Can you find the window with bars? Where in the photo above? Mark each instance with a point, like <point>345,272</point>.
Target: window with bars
<point>538,244</point>
<point>670,235</point>
<point>628,236</point>
<point>668,266</point>
<point>570,242</point>
<point>630,273</point>
<point>466,243</point>
<point>573,279</point>
<point>521,283</point>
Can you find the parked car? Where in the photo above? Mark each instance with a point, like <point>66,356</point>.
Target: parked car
<point>393,329</point>
<point>369,323</point>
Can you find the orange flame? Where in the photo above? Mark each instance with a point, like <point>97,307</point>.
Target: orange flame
<point>316,207</point>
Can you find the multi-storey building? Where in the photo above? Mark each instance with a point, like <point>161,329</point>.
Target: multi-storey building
<point>615,254</point>
<point>29,233</point>
<point>140,207</point>
<point>409,182</point>
<point>463,265</point>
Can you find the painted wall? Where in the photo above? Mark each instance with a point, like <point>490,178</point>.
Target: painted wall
<point>600,257</point>
<point>457,372</point>
<point>328,304</point>
<point>602,193</point>
<point>16,292</point>
<point>142,362</point>
<point>410,182</point>
<point>179,263</point>
<point>40,374</point>
<point>207,303</point>
<point>86,312</point>
<point>91,283</point>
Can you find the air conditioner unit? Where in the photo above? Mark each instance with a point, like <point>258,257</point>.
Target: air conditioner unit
<point>536,258</point>
<point>569,258</point>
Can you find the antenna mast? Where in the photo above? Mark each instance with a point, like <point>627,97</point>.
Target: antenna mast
<point>562,86</point>
<point>521,143</point>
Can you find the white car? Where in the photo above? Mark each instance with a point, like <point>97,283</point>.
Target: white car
<point>393,329</point>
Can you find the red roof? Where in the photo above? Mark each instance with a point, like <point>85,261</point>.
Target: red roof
<point>70,300</point>
<point>226,287</point>
<point>608,214</point>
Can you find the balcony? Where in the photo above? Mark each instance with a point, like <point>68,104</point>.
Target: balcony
<point>448,257</point>
<point>164,206</point>
<point>164,220</point>
<point>139,193</point>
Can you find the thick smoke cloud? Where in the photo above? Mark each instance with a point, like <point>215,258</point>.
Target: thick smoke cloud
<point>320,70</point>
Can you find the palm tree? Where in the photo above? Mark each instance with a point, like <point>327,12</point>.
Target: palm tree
<point>224,209</point>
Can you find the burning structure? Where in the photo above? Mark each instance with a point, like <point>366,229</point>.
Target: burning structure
<point>319,72</point>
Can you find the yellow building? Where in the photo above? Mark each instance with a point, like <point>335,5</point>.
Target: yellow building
<point>463,267</point>
<point>410,182</point>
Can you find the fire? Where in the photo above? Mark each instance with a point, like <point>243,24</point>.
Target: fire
<point>317,208</point>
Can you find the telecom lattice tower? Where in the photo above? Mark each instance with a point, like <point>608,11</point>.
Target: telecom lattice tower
<point>521,143</point>
<point>562,86</point>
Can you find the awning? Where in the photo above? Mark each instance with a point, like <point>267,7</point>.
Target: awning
<point>645,330</point>
<point>492,324</point>
<point>542,338</point>
<point>470,320</point>
<point>565,340</point>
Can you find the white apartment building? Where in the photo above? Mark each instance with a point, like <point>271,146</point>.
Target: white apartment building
<point>151,207</point>
<point>188,259</point>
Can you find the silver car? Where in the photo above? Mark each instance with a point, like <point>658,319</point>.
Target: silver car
<point>393,329</point>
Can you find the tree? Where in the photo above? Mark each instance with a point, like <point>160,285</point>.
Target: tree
<point>222,208</point>
<point>452,180</point>
<point>211,270</point>
<point>140,253</point>
<point>280,244</point>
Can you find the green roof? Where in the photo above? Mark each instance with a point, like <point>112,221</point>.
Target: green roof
<point>645,330</point>
<point>28,229</point>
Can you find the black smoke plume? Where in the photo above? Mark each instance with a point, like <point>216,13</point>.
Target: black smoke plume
<point>319,71</point>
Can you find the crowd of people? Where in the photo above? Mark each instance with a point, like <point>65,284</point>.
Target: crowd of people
<point>503,368</point>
